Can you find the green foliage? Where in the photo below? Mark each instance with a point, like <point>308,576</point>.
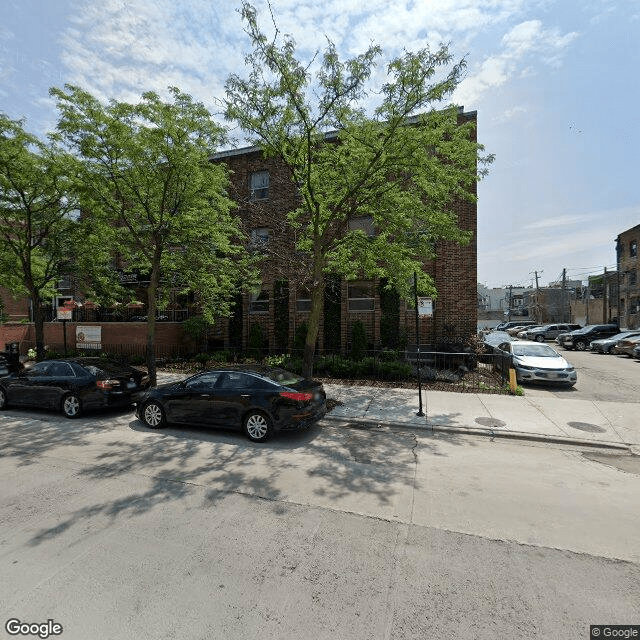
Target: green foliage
<point>38,234</point>
<point>390,315</point>
<point>281,313</point>
<point>332,312</point>
<point>255,341</point>
<point>202,359</point>
<point>155,198</point>
<point>300,336</point>
<point>358,341</point>
<point>195,328</point>
<point>401,170</point>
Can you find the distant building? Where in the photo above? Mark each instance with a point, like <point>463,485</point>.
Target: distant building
<point>629,286</point>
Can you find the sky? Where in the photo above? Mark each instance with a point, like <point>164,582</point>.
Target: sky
<point>555,84</point>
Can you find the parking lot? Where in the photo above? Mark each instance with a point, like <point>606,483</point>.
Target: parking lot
<point>600,377</point>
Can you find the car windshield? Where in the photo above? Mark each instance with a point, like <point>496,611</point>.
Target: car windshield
<point>535,350</point>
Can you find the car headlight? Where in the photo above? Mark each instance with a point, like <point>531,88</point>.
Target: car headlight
<point>570,369</point>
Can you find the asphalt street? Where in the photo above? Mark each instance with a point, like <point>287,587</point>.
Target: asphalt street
<point>113,530</point>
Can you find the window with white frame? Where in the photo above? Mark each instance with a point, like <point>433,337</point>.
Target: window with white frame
<point>259,185</point>
<point>361,296</point>
<point>259,302</point>
<point>64,282</point>
<point>633,248</point>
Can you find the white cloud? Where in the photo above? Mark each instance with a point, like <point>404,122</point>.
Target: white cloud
<point>524,39</point>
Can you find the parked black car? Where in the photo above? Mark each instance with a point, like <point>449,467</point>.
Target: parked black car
<point>582,338</point>
<point>259,400</point>
<point>73,385</point>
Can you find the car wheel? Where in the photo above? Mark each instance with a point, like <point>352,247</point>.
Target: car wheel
<point>580,345</point>
<point>71,406</point>
<point>540,338</point>
<point>257,426</point>
<point>3,399</point>
<point>153,415</point>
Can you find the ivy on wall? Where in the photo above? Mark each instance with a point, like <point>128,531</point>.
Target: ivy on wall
<point>281,314</point>
<point>390,316</point>
<point>332,313</point>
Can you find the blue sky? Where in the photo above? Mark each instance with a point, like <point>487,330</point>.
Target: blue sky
<point>555,84</point>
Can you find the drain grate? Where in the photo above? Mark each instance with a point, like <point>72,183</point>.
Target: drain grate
<point>492,423</point>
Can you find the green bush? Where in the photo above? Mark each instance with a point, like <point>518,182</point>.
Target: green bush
<point>222,356</point>
<point>358,340</point>
<point>202,359</point>
<point>300,337</point>
<point>255,341</point>
<point>395,370</point>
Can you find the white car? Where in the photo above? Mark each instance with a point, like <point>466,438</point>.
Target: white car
<point>535,362</point>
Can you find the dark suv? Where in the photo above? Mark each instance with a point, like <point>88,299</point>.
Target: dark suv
<point>582,338</point>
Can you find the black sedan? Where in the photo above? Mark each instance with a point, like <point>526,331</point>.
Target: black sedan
<point>258,400</point>
<point>73,385</point>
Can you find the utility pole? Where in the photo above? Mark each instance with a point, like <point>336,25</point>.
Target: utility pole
<point>510,296</point>
<point>605,319</point>
<point>536,306</point>
<point>564,295</point>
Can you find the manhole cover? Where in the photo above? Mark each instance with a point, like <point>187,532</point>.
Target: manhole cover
<point>586,426</point>
<point>492,423</point>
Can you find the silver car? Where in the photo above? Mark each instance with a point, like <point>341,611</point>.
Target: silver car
<point>536,362</point>
<point>605,345</point>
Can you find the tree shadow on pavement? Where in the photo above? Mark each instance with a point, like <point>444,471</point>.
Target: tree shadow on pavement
<point>140,469</point>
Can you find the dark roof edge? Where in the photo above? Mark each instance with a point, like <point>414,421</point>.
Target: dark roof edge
<point>240,151</point>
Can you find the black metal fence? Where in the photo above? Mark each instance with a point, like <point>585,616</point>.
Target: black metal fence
<point>453,371</point>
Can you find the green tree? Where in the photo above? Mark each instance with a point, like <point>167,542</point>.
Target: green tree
<point>402,166</point>
<point>154,196</point>
<point>38,230</point>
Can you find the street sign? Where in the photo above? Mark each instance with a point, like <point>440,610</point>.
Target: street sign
<point>425,307</point>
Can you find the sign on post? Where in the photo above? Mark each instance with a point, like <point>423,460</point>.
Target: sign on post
<point>425,307</point>
<point>88,337</point>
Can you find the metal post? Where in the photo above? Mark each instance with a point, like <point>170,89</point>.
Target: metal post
<point>64,336</point>
<point>418,364</point>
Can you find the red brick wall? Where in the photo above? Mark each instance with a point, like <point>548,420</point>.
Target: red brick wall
<point>15,308</point>
<point>114,335</point>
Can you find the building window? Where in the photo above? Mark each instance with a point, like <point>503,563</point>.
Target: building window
<point>633,248</point>
<point>259,302</point>
<point>361,296</point>
<point>259,238</point>
<point>64,282</point>
<point>632,278</point>
<point>364,223</point>
<point>259,185</point>
<point>303,301</point>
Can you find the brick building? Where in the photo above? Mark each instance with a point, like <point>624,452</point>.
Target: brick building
<point>265,193</point>
<point>263,189</point>
<point>628,280</point>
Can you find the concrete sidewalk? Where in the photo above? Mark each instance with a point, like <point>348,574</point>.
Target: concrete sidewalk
<point>612,425</point>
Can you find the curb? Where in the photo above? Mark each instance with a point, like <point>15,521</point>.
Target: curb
<point>479,431</point>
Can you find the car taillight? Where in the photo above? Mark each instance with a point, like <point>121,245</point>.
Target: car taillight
<point>298,397</point>
<point>106,385</point>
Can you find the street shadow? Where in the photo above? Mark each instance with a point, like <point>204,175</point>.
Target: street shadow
<point>169,465</point>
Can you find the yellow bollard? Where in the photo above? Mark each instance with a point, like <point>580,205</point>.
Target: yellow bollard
<point>512,380</point>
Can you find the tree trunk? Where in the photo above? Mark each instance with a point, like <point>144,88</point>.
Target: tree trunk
<point>151,323</point>
<point>317,303</point>
<point>38,321</point>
